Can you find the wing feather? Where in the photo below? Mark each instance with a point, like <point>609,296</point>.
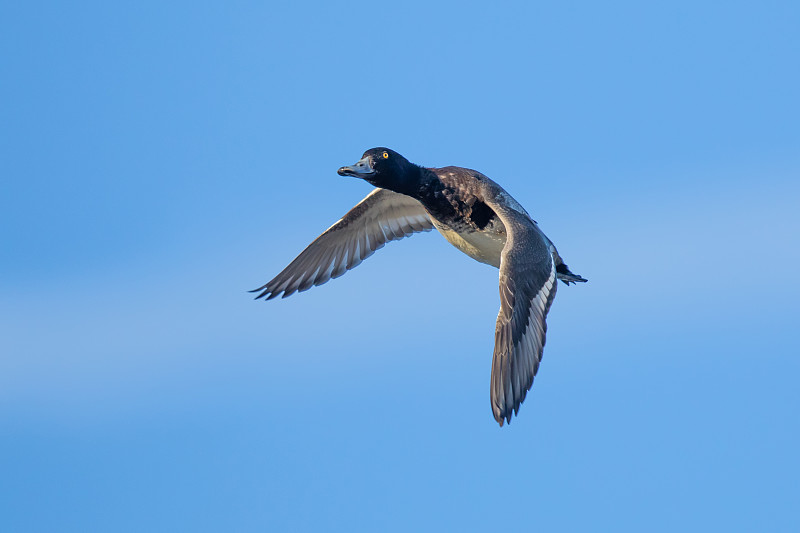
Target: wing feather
<point>527,288</point>
<point>380,217</point>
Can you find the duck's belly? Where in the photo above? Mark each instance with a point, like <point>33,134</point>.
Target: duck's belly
<point>484,245</point>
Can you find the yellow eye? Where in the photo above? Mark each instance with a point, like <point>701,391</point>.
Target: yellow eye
<point>386,155</point>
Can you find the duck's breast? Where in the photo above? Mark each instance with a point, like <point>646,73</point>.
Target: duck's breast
<point>484,245</point>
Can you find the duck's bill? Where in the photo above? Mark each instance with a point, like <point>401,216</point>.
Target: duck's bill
<point>362,169</point>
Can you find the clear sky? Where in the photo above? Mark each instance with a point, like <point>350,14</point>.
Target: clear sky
<point>159,159</point>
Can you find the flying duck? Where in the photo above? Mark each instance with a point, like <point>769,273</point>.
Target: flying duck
<point>475,215</point>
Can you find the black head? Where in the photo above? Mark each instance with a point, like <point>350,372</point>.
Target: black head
<point>385,168</point>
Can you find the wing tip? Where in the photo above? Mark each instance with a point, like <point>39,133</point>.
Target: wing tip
<point>504,418</point>
<point>266,293</point>
<point>503,413</point>
<point>263,291</point>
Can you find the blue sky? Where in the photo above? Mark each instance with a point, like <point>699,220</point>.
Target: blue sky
<point>156,161</point>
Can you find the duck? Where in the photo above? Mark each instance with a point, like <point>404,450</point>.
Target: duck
<point>474,214</point>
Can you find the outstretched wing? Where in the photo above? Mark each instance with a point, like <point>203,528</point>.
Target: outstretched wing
<point>380,217</point>
<point>527,289</point>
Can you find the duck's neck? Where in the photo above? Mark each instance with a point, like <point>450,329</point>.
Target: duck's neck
<point>427,185</point>
<point>423,184</point>
<point>414,181</point>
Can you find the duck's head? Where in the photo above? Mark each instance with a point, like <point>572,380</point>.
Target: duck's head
<point>385,168</point>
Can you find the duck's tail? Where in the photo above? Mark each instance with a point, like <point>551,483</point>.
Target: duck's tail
<point>563,273</point>
<point>562,270</point>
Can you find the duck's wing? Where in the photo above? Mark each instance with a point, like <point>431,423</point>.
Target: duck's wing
<point>527,289</point>
<point>380,217</point>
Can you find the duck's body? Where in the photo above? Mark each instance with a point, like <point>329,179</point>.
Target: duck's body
<point>452,200</point>
<point>475,215</point>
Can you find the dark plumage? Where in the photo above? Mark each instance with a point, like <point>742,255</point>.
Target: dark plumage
<point>479,218</point>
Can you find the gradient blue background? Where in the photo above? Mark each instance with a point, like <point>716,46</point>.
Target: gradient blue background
<point>156,161</point>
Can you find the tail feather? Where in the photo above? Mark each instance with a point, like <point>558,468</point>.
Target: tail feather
<point>563,273</point>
